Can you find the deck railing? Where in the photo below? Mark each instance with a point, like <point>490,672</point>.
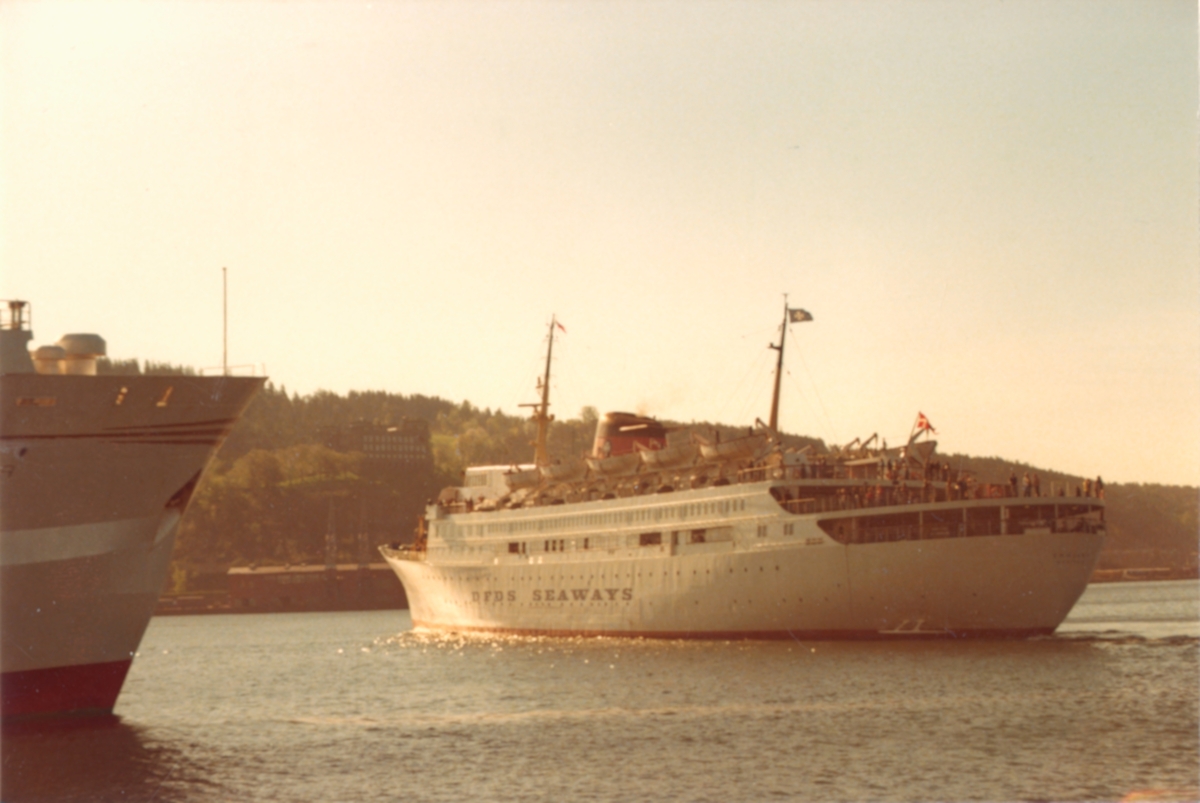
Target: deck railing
<point>853,489</point>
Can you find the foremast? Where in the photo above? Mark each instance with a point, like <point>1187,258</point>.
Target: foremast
<point>541,411</point>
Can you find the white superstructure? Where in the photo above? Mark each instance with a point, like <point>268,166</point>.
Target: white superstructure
<point>735,560</point>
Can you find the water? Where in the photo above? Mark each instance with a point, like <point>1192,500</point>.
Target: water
<point>355,706</point>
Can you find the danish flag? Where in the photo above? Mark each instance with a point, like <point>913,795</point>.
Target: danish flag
<point>923,423</point>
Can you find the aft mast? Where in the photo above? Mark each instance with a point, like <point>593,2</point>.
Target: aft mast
<point>774,422</point>
<point>789,316</point>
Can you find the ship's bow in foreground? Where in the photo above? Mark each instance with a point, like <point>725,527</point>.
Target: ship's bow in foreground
<point>96,473</point>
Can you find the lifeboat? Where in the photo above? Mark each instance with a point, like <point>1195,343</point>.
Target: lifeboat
<point>746,447</point>
<point>674,455</point>
<point>620,465</point>
<point>564,472</point>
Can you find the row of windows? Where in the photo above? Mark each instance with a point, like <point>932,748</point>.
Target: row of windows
<point>587,520</point>
<point>657,538</point>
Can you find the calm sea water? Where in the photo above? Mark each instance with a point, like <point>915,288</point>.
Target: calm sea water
<point>355,706</point>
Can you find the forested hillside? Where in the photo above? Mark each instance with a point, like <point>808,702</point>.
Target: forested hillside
<point>279,484</point>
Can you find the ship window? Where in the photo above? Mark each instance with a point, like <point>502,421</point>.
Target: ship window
<point>650,539</point>
<point>696,537</point>
<point>514,547</point>
<point>761,531</point>
<point>586,542</point>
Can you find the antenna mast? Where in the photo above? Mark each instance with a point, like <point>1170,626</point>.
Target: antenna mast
<point>224,322</point>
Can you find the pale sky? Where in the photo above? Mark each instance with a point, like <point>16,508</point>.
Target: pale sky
<point>989,208</point>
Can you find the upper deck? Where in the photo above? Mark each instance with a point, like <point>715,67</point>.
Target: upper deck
<point>682,486</point>
<point>756,511</point>
<point>808,488</point>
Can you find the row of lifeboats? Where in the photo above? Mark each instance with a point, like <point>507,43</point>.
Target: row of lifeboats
<point>682,453</point>
<point>687,452</point>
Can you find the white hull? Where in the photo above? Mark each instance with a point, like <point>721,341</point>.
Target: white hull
<point>761,572</point>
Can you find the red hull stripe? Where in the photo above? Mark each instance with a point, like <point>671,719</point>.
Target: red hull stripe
<point>212,422</point>
<point>744,635</point>
<point>216,428</point>
<point>62,689</point>
<point>157,442</point>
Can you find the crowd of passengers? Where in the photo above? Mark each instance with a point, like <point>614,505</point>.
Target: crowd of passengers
<point>963,487</point>
<point>957,486</point>
<point>1031,485</point>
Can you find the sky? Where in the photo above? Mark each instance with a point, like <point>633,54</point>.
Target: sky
<point>989,208</point>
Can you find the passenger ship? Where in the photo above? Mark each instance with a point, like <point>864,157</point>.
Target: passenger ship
<point>668,534</point>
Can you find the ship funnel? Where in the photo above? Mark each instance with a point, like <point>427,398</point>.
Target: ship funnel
<point>617,434</point>
<point>81,352</point>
